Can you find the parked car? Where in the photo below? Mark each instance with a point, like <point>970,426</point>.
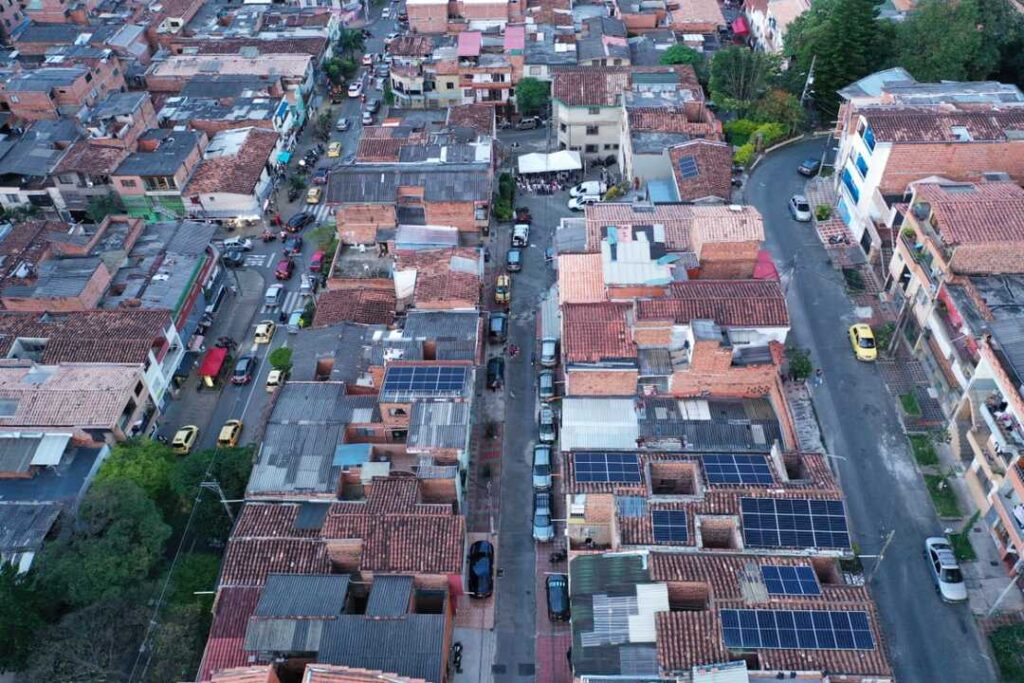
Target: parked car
<point>299,221</point>
<point>367,59</point>
<point>543,528</point>
<point>809,167</point>
<point>316,261</point>
<point>293,245</point>
<point>863,341</point>
<point>272,297</point>
<point>529,123</point>
<point>244,368</point>
<point>800,208</point>
<point>495,372</point>
<point>546,385</point>
<point>403,16</point>
<point>514,260</point>
<point>314,195</point>
<point>367,118</point>
<point>373,106</point>
<point>391,37</point>
<point>557,589</point>
<point>334,150</point>
<point>382,70</point>
<point>520,235</point>
<point>946,574</point>
<point>184,439</point>
<point>385,13</point>
<point>590,187</point>
<point>541,468</point>
<point>356,89</point>
<point>502,289</point>
<point>234,258</point>
<point>548,352</point>
<point>480,579</point>
<point>320,176</point>
<point>229,434</point>
<point>285,269</point>
<point>264,332</point>
<point>276,378</point>
<point>548,430</point>
<point>497,328</point>
<point>581,202</point>
<point>343,124</point>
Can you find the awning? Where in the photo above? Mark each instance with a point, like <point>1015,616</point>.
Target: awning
<point>284,156</point>
<point>564,160</point>
<point>213,361</point>
<point>739,26</point>
<point>764,266</point>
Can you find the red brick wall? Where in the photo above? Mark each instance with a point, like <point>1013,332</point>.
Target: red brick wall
<point>652,333</point>
<point>211,127</point>
<point>31,106</point>
<point>88,299</point>
<point>461,215</point>
<point>957,161</point>
<point>601,382</point>
<point>428,18</point>
<point>483,11</point>
<point>727,260</point>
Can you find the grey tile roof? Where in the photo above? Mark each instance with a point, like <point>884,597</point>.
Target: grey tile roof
<point>442,325</point>
<point>65,277</point>
<point>272,636</point>
<point>35,153</point>
<point>389,596</point>
<point>303,595</point>
<point>23,526</point>
<point>174,148</point>
<point>379,183</point>
<point>412,645</point>
<point>439,425</point>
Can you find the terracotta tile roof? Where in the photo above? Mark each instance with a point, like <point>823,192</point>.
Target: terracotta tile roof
<point>595,332</point>
<point>479,117</point>
<point>234,173</point>
<point>713,170</point>
<point>686,227</point>
<point>248,561</point>
<point>703,12</point>
<point>91,159</point>
<point>669,120</point>
<point>309,45</point>
<point>85,395</point>
<point>117,336</point>
<point>247,674</point>
<point>437,282</point>
<point>936,123</point>
<point>586,86</point>
<point>412,46</point>
<point>731,303</point>
<point>976,213</point>
<point>379,150</point>
<point>327,673</point>
<point>364,306</point>
<point>580,279</point>
<point>231,615</point>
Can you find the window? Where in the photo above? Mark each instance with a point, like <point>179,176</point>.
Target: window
<point>615,146</point>
<point>129,183</point>
<point>562,127</point>
<point>862,166</point>
<point>161,182</point>
<point>88,78</point>
<point>590,149</point>
<point>850,186</point>
<point>449,85</point>
<point>592,130</point>
<point>869,137</point>
<point>138,388</point>
<point>13,198</point>
<point>14,98</point>
<point>535,71</point>
<point>397,412</point>
<point>68,178</point>
<point>594,111</point>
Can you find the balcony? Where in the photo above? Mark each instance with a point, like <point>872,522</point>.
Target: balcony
<point>1011,511</point>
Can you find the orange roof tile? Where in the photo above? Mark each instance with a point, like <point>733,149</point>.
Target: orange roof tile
<point>731,303</point>
<point>596,332</point>
<point>580,279</point>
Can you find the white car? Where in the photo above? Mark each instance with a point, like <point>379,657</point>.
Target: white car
<point>385,13</point>
<point>391,37</point>
<point>521,235</point>
<point>236,242</point>
<point>273,295</point>
<point>356,89</point>
<point>578,203</point>
<point>343,124</point>
<point>946,574</point>
<point>595,187</point>
<point>800,208</point>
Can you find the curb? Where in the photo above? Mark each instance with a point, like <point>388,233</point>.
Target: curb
<point>786,143</point>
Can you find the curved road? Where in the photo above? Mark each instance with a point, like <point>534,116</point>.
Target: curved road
<point>927,639</point>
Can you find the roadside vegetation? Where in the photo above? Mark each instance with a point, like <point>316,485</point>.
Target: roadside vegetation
<point>1008,647</point>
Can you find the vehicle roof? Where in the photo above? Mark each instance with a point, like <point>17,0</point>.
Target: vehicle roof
<point>861,327</point>
<point>481,544</point>
<point>799,198</point>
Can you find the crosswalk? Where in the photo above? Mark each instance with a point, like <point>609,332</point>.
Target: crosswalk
<point>292,302</point>
<point>323,213</point>
<point>255,260</point>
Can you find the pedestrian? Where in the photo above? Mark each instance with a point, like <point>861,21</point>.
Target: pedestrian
<point>818,376</point>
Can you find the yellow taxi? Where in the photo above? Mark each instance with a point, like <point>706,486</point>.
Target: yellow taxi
<point>502,289</point>
<point>863,341</point>
<point>314,195</point>
<point>334,150</point>
<point>275,379</point>
<point>229,434</point>
<point>264,332</point>
<point>184,439</point>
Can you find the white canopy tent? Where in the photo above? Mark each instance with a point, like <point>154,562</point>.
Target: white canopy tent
<point>563,160</point>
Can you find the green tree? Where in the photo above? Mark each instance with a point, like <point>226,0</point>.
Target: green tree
<point>532,96</point>
<point>334,71</point>
<point>281,358</point>
<point>323,125</point>
<point>957,47</point>
<point>740,76</point>
<point>779,106</point>
<point>844,39</point>
<point>113,544</point>
<point>195,572</point>
<point>101,207</point>
<point>144,462</point>
<point>681,54</point>
<point>228,466</point>
<point>178,643</point>
<point>351,41</point>
<point>21,617</point>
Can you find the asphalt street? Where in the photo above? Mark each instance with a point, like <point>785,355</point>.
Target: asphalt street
<point>927,639</point>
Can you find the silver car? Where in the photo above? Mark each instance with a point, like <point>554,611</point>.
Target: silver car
<point>543,527</point>
<point>800,208</point>
<point>946,574</point>
<point>541,468</point>
<point>548,432</point>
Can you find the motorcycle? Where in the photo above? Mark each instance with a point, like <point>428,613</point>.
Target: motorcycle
<point>293,194</point>
<point>268,236</point>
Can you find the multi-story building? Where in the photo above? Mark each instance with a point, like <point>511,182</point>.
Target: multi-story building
<point>51,92</point>
<point>150,181</point>
<point>769,19</point>
<point>235,176</point>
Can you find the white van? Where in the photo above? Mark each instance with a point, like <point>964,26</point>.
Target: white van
<point>520,235</point>
<point>591,187</point>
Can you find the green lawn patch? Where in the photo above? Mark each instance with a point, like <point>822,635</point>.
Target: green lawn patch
<point>854,280</point>
<point>942,495</point>
<point>962,547</point>
<point>924,449</point>
<point>910,405</point>
<point>1008,646</point>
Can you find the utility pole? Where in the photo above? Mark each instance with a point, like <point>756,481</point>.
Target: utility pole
<point>808,82</point>
<point>214,486</point>
<point>881,555</point>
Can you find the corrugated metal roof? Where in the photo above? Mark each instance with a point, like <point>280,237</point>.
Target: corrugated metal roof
<point>23,526</point>
<point>390,596</point>
<point>409,646</point>
<point>599,423</point>
<point>303,595</point>
<point>439,425</point>
<point>283,635</point>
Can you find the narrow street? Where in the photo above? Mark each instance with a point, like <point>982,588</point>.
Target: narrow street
<point>927,639</point>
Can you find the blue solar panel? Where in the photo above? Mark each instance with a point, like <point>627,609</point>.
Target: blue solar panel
<point>790,629</point>
<point>738,469</point>
<point>599,467</point>
<point>669,526</point>
<point>419,380</point>
<point>688,167</point>
<point>794,523</point>
<point>790,580</point>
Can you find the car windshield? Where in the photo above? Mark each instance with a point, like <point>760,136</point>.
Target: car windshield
<point>803,206</point>
<point>541,470</point>
<point>865,342</point>
<point>952,575</point>
<point>542,519</point>
<point>242,366</point>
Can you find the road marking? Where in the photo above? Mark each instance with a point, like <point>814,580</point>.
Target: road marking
<point>256,260</point>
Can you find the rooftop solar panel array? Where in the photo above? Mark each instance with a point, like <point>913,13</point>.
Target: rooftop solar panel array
<point>796,629</point>
<point>611,467</point>
<point>794,523</point>
<point>669,526</point>
<point>790,580</point>
<point>424,380</point>
<point>737,469</point>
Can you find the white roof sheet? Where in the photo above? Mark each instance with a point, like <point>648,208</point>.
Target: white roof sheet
<point>538,162</point>
<point>599,423</point>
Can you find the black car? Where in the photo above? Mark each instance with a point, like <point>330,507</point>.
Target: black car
<point>481,569</point>
<point>234,258</point>
<point>495,372</point>
<point>557,586</point>
<point>320,176</point>
<point>809,167</point>
<point>293,245</point>
<point>243,370</point>
<point>497,328</point>
<point>299,221</point>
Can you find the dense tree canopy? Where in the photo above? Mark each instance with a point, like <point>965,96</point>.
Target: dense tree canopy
<point>740,76</point>
<point>532,96</point>
<point>144,462</point>
<point>21,616</point>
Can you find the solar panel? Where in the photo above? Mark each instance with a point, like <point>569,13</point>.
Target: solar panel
<point>796,629</point>
<point>794,523</point>
<point>738,469</point>
<point>618,467</point>
<point>669,526</point>
<point>420,380</point>
<point>790,580</point>
<point>688,167</point>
